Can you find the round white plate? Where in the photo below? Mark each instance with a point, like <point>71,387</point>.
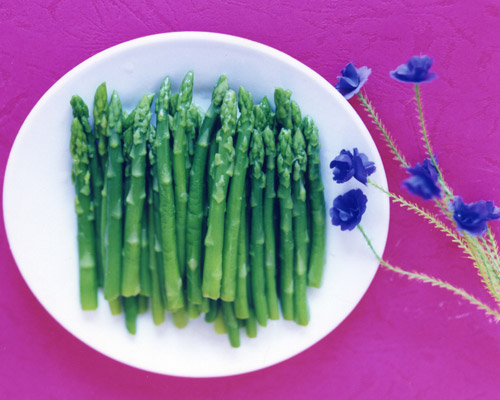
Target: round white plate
<point>41,223</point>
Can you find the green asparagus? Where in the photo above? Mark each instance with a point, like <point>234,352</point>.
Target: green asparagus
<point>179,157</point>
<point>269,136</point>
<point>223,170</point>
<point>301,237</point>
<point>317,202</point>
<point>195,206</point>
<point>284,167</point>
<point>244,130</point>
<point>135,200</point>
<point>167,206</point>
<point>85,216</point>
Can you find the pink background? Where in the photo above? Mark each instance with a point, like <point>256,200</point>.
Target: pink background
<point>405,339</point>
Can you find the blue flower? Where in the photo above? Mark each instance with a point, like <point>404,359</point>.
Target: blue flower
<point>351,80</point>
<point>348,209</point>
<point>347,165</point>
<point>423,180</point>
<point>416,70</point>
<point>472,217</point>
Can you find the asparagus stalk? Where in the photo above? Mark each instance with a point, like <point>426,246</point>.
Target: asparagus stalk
<point>142,304</point>
<point>194,119</point>
<point>244,130</point>
<point>79,148</point>
<point>258,179</point>
<point>284,166</point>
<point>317,202</point>
<point>212,312</point>
<point>269,136</point>
<point>195,204</point>
<point>81,112</point>
<point>179,163</point>
<point>232,324</point>
<point>241,303</point>
<point>223,162</point>
<point>284,162</point>
<point>283,108</point>
<point>131,309</point>
<point>301,236</point>
<point>158,293</point>
<point>166,203</point>
<point>144,269</point>
<point>113,233</point>
<point>251,325</point>
<point>135,200</point>
<point>100,113</point>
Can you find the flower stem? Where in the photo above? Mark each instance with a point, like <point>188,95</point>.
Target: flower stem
<point>378,122</point>
<point>427,216</point>
<point>427,142</point>
<point>433,281</point>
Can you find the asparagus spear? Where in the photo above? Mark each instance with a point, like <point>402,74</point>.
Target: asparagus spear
<point>100,113</point>
<point>212,312</point>
<point>142,304</point>
<point>232,221</point>
<point>251,325</point>
<point>167,206</point>
<point>194,119</point>
<point>258,184</point>
<point>131,309</point>
<point>79,148</point>
<point>269,136</point>
<point>113,234</point>
<point>284,167</point>
<point>283,108</point>
<point>179,163</point>
<point>81,112</point>
<point>195,199</point>
<point>223,161</point>
<point>158,248</point>
<point>144,269</point>
<point>241,303</point>
<point>155,257</point>
<point>317,201</point>
<point>232,324</point>
<point>301,236</point>
<point>135,200</point>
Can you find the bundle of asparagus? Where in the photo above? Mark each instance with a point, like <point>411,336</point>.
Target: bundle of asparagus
<point>218,212</point>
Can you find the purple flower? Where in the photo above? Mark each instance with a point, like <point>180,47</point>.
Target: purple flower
<point>347,165</point>
<point>351,80</point>
<point>423,180</point>
<point>348,209</point>
<point>472,217</point>
<point>416,70</point>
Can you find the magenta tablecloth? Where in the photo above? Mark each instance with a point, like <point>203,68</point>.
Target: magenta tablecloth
<point>405,340</point>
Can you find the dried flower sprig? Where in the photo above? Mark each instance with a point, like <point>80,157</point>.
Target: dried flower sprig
<point>465,224</point>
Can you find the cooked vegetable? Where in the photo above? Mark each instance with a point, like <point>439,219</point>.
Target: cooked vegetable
<point>113,233</point>
<point>317,201</point>
<point>168,232</point>
<point>244,130</point>
<point>222,171</point>
<point>301,236</point>
<point>86,245</point>
<point>234,243</point>
<point>195,206</point>
<point>130,285</point>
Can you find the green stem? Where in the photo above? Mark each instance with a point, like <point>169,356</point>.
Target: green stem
<point>427,142</point>
<point>378,122</point>
<point>433,281</point>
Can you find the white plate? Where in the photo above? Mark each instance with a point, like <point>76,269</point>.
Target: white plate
<point>41,224</point>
